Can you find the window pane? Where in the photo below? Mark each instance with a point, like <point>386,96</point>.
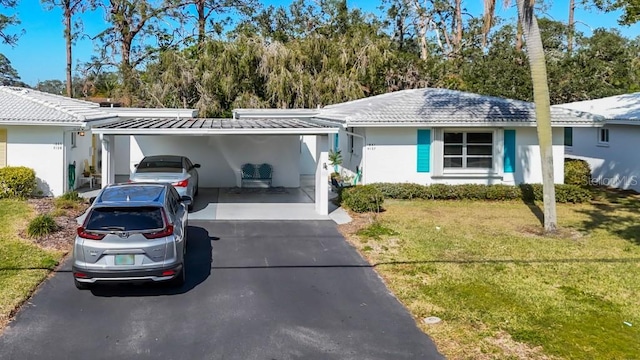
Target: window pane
<point>568,136</point>
<point>453,138</point>
<point>479,150</point>
<point>479,138</point>
<point>453,162</point>
<point>127,218</point>
<point>453,149</point>
<point>479,163</point>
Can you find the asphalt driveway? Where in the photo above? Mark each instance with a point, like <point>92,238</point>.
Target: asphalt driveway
<point>272,290</point>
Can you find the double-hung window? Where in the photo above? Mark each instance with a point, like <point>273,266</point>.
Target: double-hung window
<point>468,150</point>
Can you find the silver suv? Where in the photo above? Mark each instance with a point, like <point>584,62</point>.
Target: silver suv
<point>132,233</point>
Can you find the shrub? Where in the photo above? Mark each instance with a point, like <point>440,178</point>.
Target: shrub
<point>577,172</point>
<point>362,198</point>
<point>404,191</point>
<point>69,200</point>
<point>526,192</point>
<point>41,225</point>
<point>17,182</point>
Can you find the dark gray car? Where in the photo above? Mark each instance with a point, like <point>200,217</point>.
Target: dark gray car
<point>132,233</point>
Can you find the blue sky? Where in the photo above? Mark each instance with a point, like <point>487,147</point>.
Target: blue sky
<point>40,53</point>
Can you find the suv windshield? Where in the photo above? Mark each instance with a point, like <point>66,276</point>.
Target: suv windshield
<point>125,218</point>
<point>169,164</point>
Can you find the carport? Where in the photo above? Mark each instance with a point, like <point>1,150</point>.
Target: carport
<point>221,146</point>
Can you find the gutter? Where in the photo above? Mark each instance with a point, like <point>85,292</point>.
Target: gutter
<point>248,131</point>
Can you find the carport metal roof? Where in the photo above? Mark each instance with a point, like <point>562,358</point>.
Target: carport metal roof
<point>197,126</point>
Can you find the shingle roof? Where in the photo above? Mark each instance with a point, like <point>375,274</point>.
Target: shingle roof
<point>32,106</point>
<point>620,107</point>
<point>446,108</point>
<point>210,126</point>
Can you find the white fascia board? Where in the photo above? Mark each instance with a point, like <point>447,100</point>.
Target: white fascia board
<point>622,122</point>
<point>294,131</point>
<point>44,123</point>
<point>463,124</point>
<point>150,113</point>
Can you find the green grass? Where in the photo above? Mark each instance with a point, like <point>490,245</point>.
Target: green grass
<point>23,265</point>
<point>503,290</point>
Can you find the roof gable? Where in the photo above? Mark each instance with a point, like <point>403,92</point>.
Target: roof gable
<point>21,105</point>
<point>445,108</point>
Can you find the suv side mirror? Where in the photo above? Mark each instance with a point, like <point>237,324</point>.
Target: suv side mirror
<point>197,166</point>
<point>92,199</point>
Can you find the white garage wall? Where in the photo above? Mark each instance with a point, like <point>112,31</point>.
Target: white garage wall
<point>122,146</point>
<point>308,155</point>
<point>221,156</point>
<point>39,148</point>
<point>615,165</point>
<point>79,153</point>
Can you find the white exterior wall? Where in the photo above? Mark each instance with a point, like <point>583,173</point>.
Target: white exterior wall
<point>79,153</point>
<point>529,171</point>
<point>308,154</point>
<point>221,156</point>
<point>39,148</point>
<point>391,156</point>
<point>122,156</point>
<point>615,165</point>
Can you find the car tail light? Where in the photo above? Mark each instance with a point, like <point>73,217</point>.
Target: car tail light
<point>89,235</point>
<point>183,183</point>
<point>166,231</point>
<point>168,272</point>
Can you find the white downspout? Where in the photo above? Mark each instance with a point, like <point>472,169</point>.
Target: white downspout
<point>364,152</point>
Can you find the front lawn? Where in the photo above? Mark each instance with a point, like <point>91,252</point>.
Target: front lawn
<point>23,265</point>
<point>504,291</point>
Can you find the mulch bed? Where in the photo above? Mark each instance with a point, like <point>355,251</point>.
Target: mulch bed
<point>62,239</point>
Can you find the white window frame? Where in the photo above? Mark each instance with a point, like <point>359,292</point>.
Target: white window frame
<point>497,169</point>
<point>600,132</point>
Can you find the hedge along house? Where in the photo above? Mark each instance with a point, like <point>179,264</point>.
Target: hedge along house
<point>610,150</point>
<point>428,136</point>
<point>47,133</point>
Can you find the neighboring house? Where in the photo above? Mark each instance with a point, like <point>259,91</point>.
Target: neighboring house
<point>430,136</point>
<point>611,150</point>
<point>49,132</point>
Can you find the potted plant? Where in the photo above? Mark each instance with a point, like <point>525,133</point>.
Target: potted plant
<point>335,159</point>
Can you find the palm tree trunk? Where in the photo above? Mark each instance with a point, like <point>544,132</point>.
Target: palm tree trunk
<point>67,38</point>
<point>571,26</point>
<point>538,66</point>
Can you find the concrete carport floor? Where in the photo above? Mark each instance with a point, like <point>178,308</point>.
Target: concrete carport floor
<point>254,290</point>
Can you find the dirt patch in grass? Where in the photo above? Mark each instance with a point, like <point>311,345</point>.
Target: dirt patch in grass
<point>62,239</point>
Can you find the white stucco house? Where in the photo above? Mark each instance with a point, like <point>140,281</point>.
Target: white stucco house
<point>610,150</point>
<point>420,136</point>
<point>428,136</point>
<point>49,132</point>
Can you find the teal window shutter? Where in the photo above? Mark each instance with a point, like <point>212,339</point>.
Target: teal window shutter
<point>336,142</point>
<point>509,151</point>
<point>424,150</point>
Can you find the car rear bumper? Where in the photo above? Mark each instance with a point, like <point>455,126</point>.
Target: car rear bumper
<point>145,275</point>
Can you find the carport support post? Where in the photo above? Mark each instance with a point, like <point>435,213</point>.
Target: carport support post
<point>322,174</point>
<point>108,173</point>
